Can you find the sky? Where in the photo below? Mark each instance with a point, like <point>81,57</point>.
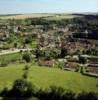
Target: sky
<point>47,6</point>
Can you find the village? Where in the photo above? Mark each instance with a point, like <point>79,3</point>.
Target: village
<point>53,44</point>
<point>69,51</point>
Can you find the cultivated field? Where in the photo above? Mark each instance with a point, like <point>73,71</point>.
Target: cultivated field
<point>24,16</point>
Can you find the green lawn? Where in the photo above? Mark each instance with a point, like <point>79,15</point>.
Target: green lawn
<point>44,77</point>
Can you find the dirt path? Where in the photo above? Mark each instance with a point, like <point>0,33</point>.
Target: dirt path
<point>3,52</point>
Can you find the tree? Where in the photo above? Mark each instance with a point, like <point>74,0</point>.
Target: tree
<point>63,53</point>
<point>82,60</point>
<point>28,40</point>
<point>51,53</point>
<point>15,44</point>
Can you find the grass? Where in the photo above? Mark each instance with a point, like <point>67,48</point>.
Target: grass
<point>33,44</point>
<point>10,57</point>
<point>43,77</point>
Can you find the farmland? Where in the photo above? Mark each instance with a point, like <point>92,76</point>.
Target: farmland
<point>49,16</point>
<point>24,16</point>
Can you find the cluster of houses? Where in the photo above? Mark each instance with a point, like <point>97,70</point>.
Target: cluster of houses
<point>48,39</point>
<point>72,45</point>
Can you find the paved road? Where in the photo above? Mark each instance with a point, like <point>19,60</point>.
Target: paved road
<point>3,52</point>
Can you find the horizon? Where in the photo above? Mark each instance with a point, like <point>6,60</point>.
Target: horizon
<point>48,13</point>
<point>47,6</point>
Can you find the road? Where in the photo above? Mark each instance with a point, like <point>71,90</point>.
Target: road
<point>10,51</point>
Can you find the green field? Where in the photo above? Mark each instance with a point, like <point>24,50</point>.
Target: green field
<point>62,16</point>
<point>43,77</point>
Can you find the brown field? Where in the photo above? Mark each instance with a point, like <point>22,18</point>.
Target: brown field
<point>24,16</point>
<point>38,15</point>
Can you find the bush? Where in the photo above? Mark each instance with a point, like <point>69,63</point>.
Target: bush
<point>87,96</point>
<point>4,92</point>
<point>87,70</point>
<point>64,52</point>
<point>25,75</point>
<point>26,67</point>
<point>3,63</point>
<point>77,69</point>
<point>61,65</point>
<point>26,57</point>
<point>55,93</point>
<point>21,88</point>
<point>28,40</point>
<point>81,70</point>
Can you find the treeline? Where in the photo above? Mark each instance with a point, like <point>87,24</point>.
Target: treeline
<point>79,23</point>
<point>89,22</point>
<point>91,35</point>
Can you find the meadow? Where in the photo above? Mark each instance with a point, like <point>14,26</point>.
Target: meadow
<point>44,77</point>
